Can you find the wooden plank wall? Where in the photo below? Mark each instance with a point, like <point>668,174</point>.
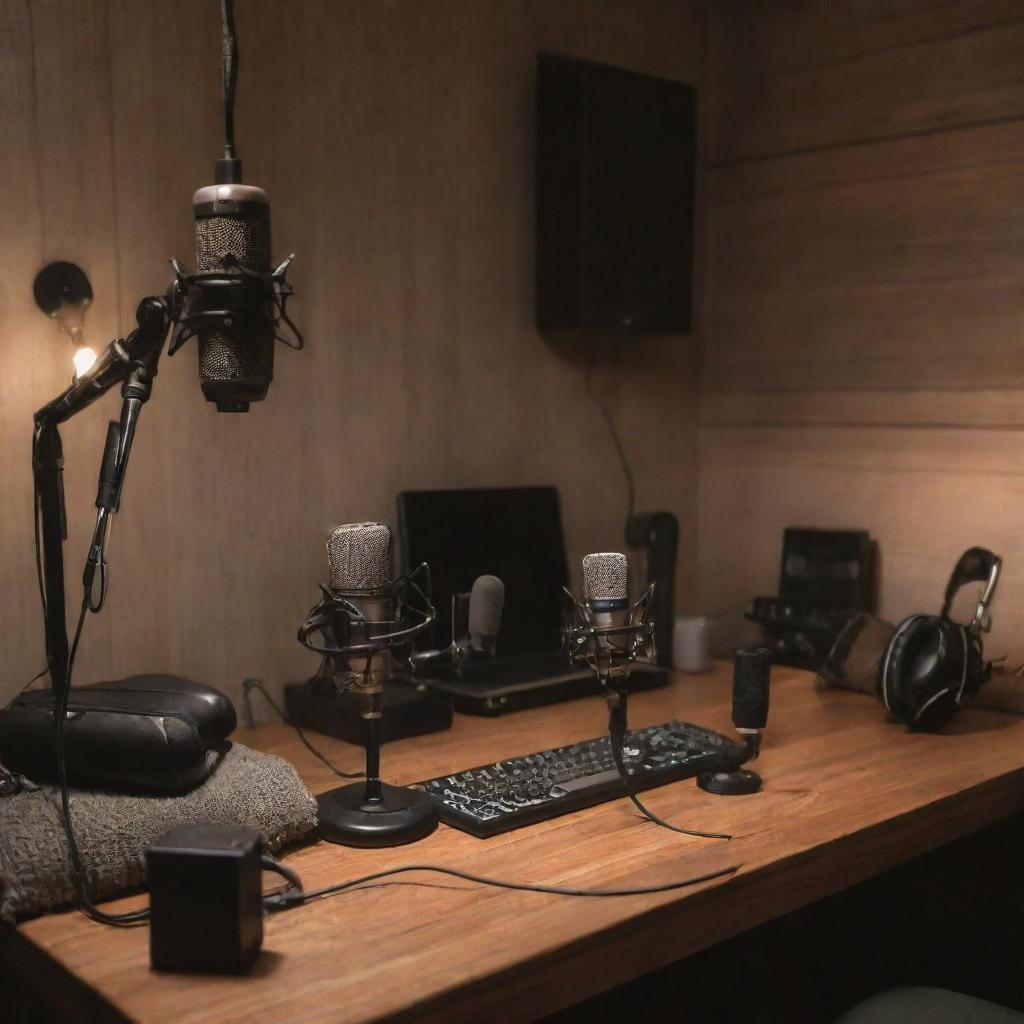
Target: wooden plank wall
<point>396,142</point>
<point>865,300</point>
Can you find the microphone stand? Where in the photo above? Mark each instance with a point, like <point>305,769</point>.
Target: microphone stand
<point>132,363</point>
<point>371,813</point>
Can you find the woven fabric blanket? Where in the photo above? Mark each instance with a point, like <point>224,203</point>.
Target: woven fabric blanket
<point>248,788</point>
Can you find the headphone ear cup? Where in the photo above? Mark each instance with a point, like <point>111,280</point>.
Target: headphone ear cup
<point>927,666</point>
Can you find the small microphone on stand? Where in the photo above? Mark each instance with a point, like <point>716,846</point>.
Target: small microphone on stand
<point>609,636</point>
<point>486,602</point>
<point>751,682</point>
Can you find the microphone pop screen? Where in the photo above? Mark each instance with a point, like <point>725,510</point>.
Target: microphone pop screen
<point>606,581</point>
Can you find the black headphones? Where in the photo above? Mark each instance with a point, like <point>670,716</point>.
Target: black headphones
<point>934,666</point>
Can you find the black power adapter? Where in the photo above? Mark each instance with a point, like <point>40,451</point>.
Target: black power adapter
<point>206,900</point>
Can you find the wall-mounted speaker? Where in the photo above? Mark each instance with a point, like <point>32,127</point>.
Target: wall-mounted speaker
<point>614,206</point>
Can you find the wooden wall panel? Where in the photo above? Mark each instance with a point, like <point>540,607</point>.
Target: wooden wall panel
<point>926,495</point>
<point>896,267</point>
<point>810,74</point>
<point>865,351</point>
<point>23,377</point>
<point>396,143</point>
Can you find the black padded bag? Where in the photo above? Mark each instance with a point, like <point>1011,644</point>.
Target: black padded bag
<point>154,734</point>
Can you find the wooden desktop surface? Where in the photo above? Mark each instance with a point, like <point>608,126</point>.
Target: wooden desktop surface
<point>847,795</point>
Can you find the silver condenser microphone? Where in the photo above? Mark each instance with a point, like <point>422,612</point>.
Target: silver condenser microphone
<point>605,585</point>
<point>359,570</point>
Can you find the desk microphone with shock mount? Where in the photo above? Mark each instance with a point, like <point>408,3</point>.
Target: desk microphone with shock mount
<point>609,636</point>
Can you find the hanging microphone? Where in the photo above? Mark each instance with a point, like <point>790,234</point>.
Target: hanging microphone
<point>235,301</point>
<point>236,351</point>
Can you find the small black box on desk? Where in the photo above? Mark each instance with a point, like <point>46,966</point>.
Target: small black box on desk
<point>205,898</point>
<point>826,577</point>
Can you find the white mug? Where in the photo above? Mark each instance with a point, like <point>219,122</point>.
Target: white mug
<point>690,644</point>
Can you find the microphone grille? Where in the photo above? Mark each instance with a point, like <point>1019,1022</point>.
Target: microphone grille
<point>231,220</point>
<point>359,557</point>
<point>246,238</point>
<point>486,600</point>
<point>605,576</point>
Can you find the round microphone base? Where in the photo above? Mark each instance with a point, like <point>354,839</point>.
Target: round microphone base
<point>400,816</point>
<point>737,783</point>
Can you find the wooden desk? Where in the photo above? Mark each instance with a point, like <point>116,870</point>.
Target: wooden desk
<point>846,796</point>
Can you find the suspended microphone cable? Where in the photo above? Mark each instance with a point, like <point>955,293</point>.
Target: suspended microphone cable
<point>229,71</point>
<point>613,433</point>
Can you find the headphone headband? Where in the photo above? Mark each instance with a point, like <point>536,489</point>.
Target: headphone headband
<point>974,565</point>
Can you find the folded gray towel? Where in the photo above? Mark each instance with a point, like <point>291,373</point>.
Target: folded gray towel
<point>113,831</point>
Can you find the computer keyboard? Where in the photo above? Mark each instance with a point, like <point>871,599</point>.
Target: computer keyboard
<point>509,794</point>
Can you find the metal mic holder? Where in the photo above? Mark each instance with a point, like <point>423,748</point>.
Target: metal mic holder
<point>610,650</point>
<point>371,813</point>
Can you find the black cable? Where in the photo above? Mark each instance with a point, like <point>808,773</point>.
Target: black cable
<point>617,736</point>
<point>39,567</point>
<point>85,904</point>
<point>269,863</point>
<point>229,70</point>
<point>38,540</point>
<point>257,684</point>
<point>613,431</point>
<point>281,902</point>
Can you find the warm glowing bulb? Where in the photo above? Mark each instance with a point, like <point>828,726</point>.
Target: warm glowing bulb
<point>84,357</point>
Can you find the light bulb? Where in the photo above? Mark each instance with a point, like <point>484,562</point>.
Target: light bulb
<point>83,358</point>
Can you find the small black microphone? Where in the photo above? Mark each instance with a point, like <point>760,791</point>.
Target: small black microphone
<point>751,683</point>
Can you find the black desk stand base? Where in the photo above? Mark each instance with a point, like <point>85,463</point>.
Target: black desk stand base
<point>736,783</point>
<point>399,816</point>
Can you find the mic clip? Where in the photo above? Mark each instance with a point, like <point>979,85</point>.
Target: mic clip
<point>224,296</point>
<point>318,631</point>
<point>609,649</point>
